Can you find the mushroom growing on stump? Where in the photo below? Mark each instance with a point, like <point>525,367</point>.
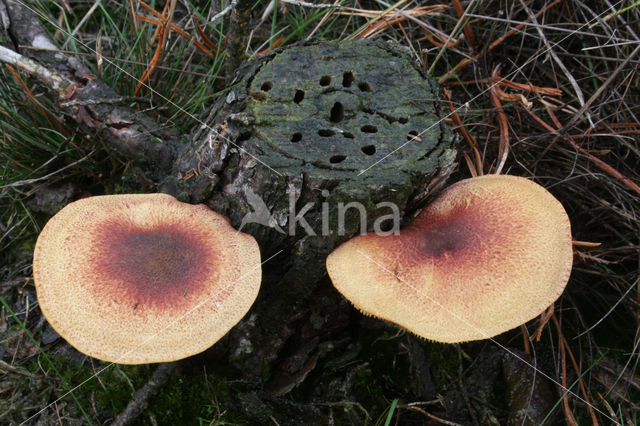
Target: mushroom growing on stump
<point>143,278</point>
<point>489,254</point>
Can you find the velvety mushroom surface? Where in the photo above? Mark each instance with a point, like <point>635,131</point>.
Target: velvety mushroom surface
<point>489,254</point>
<point>143,278</point>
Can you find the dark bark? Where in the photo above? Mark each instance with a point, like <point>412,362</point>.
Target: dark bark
<point>296,130</point>
<point>140,399</point>
<point>238,37</point>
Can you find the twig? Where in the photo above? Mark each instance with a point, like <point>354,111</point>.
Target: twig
<point>181,33</point>
<point>111,101</point>
<point>6,366</point>
<point>50,78</point>
<point>311,5</point>
<point>544,319</point>
<point>134,21</point>
<point>141,397</point>
<point>238,37</point>
<point>378,25</point>
<point>432,417</point>
<point>58,414</point>
<point>224,12</point>
<point>80,24</point>
<point>598,92</point>
<point>45,177</point>
<point>525,338</point>
<point>421,23</point>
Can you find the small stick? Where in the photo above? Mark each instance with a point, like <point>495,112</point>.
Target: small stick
<point>141,397</point>
<point>237,37</point>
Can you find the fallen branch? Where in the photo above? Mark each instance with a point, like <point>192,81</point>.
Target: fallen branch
<point>238,37</point>
<point>52,79</point>
<point>86,99</point>
<point>140,400</point>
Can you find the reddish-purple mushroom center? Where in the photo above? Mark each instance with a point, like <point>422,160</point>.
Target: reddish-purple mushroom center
<point>435,241</point>
<point>460,230</point>
<point>152,267</point>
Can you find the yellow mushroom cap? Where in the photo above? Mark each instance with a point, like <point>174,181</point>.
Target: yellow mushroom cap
<point>490,253</point>
<point>143,278</point>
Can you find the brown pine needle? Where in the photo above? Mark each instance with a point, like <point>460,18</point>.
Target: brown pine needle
<point>211,45</point>
<point>601,164</point>
<point>477,169</point>
<point>162,38</point>
<point>565,345</point>
<point>181,33</point>
<point>544,320</point>
<point>586,244</point>
<point>503,148</point>
<point>466,61</point>
<point>468,31</point>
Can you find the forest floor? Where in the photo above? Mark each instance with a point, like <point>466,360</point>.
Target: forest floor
<point>547,90</point>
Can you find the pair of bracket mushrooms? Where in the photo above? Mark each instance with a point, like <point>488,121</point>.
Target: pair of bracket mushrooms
<point>145,278</point>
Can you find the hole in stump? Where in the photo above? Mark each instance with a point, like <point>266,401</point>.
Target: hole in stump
<point>348,135</point>
<point>266,86</point>
<point>369,149</point>
<point>403,120</point>
<point>326,132</point>
<point>243,136</point>
<point>337,112</point>
<point>368,128</point>
<point>337,159</point>
<point>347,78</point>
<point>325,80</point>
<point>365,87</point>
<point>296,137</point>
<point>413,136</point>
<point>299,96</point>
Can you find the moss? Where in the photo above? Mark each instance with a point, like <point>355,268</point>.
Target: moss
<point>110,390</point>
<point>184,400</point>
<point>444,358</point>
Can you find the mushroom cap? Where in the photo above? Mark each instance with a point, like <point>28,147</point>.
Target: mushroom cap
<point>143,278</point>
<point>489,254</point>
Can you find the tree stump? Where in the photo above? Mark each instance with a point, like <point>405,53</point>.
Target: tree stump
<point>300,134</point>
